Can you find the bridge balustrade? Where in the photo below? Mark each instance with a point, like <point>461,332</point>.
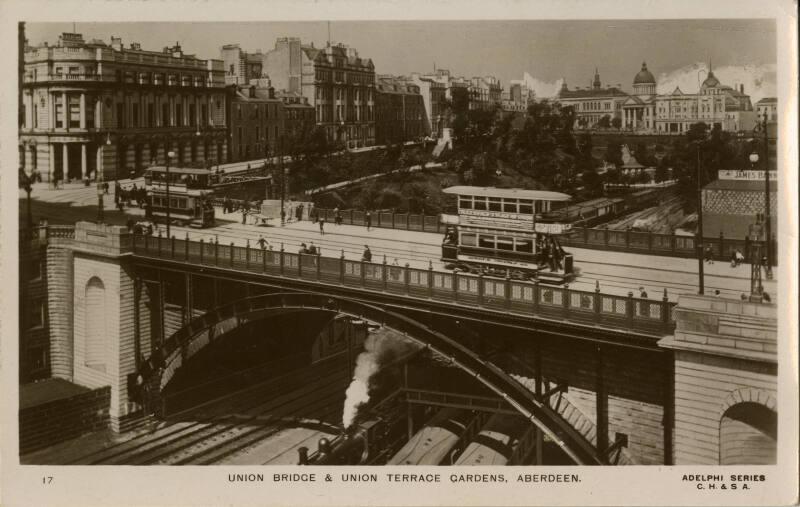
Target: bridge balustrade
<point>517,296</point>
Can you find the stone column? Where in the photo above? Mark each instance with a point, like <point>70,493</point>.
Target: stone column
<point>98,122</point>
<point>172,111</point>
<point>83,160</point>
<point>83,111</point>
<point>64,160</point>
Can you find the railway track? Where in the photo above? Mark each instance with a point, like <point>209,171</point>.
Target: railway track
<point>216,430</point>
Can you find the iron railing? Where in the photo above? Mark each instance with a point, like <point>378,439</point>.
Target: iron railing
<point>669,245</point>
<point>652,316</point>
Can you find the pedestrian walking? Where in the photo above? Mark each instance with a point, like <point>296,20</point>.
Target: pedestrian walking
<point>322,226</point>
<point>368,219</point>
<point>336,216</point>
<point>367,255</point>
<point>105,187</point>
<point>262,242</point>
<point>739,256</point>
<point>709,255</point>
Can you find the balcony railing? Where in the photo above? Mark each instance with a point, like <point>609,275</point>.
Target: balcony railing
<point>650,316</point>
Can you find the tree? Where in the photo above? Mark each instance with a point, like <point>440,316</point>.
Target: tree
<point>604,122</point>
<point>616,122</point>
<point>614,152</point>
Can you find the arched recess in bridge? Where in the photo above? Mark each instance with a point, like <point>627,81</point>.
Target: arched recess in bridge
<point>199,332</point>
<point>748,430</point>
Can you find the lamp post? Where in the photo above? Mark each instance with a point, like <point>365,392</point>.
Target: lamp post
<point>699,236</point>
<point>170,154</point>
<point>100,178</point>
<point>283,181</point>
<point>768,237</point>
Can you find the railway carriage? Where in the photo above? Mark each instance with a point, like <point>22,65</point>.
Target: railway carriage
<point>496,442</point>
<point>506,232</point>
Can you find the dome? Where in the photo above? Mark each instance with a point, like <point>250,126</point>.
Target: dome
<point>644,76</point>
<point>711,81</point>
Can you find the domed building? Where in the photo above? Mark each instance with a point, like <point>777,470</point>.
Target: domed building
<point>638,112</point>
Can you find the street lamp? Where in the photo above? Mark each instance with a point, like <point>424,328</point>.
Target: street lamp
<point>99,177</point>
<point>699,236</point>
<point>170,154</point>
<point>768,237</point>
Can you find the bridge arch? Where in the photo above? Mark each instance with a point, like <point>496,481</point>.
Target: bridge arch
<point>201,331</point>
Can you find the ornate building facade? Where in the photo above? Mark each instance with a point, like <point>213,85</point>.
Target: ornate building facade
<point>594,103</point>
<point>646,111</point>
<point>97,110</point>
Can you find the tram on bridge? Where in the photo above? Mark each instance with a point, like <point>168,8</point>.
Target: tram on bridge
<point>192,192</point>
<point>506,232</point>
<point>189,200</point>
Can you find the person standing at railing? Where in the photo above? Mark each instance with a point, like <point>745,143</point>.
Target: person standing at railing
<point>367,255</point>
<point>262,242</point>
<point>322,226</point>
<point>368,219</point>
<point>337,216</point>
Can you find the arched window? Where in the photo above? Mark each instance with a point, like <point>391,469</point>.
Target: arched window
<point>95,315</point>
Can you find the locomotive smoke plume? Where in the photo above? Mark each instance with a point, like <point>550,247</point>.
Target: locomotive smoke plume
<point>380,348</point>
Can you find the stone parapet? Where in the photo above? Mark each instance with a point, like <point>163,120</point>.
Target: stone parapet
<point>725,327</point>
<point>102,239</point>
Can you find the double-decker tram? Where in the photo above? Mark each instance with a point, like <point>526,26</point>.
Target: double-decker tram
<point>190,192</point>
<point>502,232</point>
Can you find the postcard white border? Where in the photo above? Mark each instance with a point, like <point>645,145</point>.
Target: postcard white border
<point>85,486</point>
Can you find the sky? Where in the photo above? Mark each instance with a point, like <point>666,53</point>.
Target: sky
<point>548,51</point>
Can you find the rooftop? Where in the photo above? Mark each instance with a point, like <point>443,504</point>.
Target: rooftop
<point>508,193</point>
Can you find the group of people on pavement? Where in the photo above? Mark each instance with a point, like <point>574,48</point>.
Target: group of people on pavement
<point>123,197</point>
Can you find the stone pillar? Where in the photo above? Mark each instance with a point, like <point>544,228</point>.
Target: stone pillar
<point>98,114</point>
<point>83,111</point>
<point>171,111</point>
<point>725,355</point>
<point>108,275</point>
<point>83,160</point>
<point>99,162</point>
<point>65,161</point>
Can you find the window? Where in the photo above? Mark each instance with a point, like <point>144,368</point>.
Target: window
<point>505,243</point>
<point>135,115</point>
<point>59,107</point>
<point>179,114</point>
<point>523,245</point>
<point>465,202</point>
<point>510,205</point>
<point>36,313</point>
<point>494,204</point>
<point>151,115</point>
<point>239,111</point>
<point>35,272</point>
<point>120,115</point>
<point>193,116</point>
<point>468,239</point>
<point>526,207</point>
<point>485,241</point>
<point>204,111</point>
<point>37,358</point>
<point>479,203</point>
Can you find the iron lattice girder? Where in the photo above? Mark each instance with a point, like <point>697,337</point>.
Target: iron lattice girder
<point>575,445</point>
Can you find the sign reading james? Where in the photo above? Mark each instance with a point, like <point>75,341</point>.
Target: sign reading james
<point>746,175</point>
